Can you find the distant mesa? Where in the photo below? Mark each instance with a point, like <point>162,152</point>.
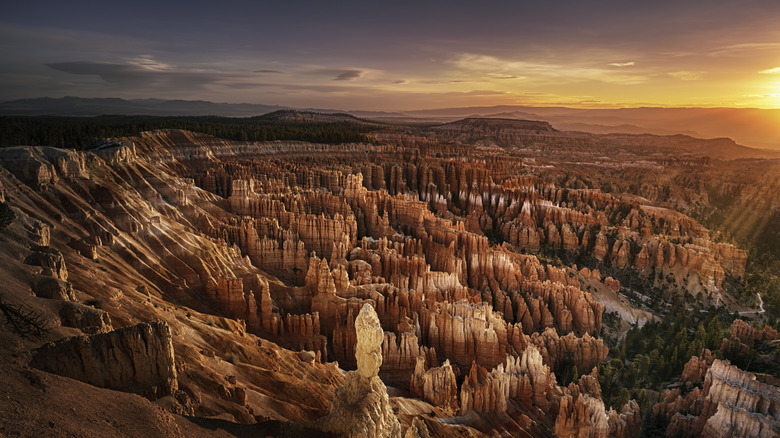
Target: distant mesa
<point>494,124</point>
<point>288,115</point>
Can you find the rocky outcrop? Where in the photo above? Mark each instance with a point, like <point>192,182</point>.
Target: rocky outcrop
<point>734,422</point>
<point>135,359</point>
<point>50,259</point>
<point>731,403</point>
<point>696,368</point>
<point>89,319</point>
<point>627,423</point>
<point>584,353</point>
<point>404,355</point>
<point>581,416</point>
<point>51,287</point>
<point>612,284</point>
<point>745,407</point>
<point>361,407</point>
<point>464,332</point>
<point>525,379</point>
<point>582,413</point>
<point>747,334</point>
<point>418,429</point>
<point>39,166</point>
<point>436,385</point>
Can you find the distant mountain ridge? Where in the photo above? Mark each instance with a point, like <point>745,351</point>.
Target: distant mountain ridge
<point>752,127</point>
<point>78,106</point>
<point>747,126</point>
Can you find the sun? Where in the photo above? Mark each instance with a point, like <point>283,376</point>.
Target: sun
<point>773,93</point>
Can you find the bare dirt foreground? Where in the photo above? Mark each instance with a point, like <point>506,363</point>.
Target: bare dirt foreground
<point>35,403</point>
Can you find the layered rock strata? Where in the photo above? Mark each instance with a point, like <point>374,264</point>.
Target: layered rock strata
<point>731,403</point>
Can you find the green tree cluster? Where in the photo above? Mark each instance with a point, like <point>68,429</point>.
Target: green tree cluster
<point>83,132</point>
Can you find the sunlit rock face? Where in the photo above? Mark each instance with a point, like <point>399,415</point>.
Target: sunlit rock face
<point>422,266</point>
<point>361,407</point>
<point>731,403</point>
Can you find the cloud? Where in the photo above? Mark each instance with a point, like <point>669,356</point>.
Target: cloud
<point>147,62</point>
<point>744,49</point>
<point>484,93</point>
<point>771,71</point>
<point>622,64</point>
<point>246,85</point>
<point>401,82</point>
<point>267,71</point>
<point>761,95</point>
<point>338,74</point>
<point>436,82</point>
<point>475,65</point>
<point>685,75</point>
<point>349,75</point>
<point>141,72</point>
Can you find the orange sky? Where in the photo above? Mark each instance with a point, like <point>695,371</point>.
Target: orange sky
<point>399,55</point>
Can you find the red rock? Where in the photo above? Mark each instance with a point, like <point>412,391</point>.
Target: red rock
<point>747,334</point>
<point>697,367</point>
<point>601,249</point>
<point>524,379</point>
<point>585,352</point>
<point>731,403</point>
<point>436,385</point>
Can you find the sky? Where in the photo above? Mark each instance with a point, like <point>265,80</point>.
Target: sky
<point>395,55</point>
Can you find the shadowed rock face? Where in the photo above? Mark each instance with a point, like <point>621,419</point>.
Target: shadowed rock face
<point>135,359</point>
<point>50,259</point>
<point>86,318</point>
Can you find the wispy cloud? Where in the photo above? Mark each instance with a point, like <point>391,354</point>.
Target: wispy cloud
<point>477,66</point>
<point>771,71</point>
<point>148,62</point>
<point>745,49</point>
<point>337,74</point>
<point>622,64</point>
<point>685,75</point>
<point>349,75</point>
<point>144,72</point>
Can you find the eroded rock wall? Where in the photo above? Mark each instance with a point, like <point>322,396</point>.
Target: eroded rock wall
<point>137,359</point>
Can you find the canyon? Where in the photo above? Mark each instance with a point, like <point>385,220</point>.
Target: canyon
<point>437,282</point>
